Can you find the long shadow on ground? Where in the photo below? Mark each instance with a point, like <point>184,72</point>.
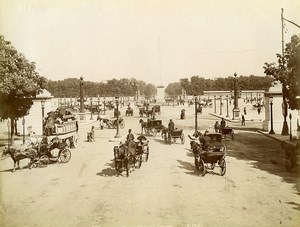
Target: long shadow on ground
<point>265,154</point>
<point>110,171</point>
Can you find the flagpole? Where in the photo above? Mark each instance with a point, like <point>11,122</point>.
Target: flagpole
<point>285,128</point>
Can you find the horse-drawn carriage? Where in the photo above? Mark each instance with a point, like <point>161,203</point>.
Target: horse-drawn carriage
<point>151,127</point>
<point>131,154</point>
<point>227,133</point>
<point>172,136</point>
<point>208,158</point>
<point>111,122</point>
<point>144,111</point>
<point>129,111</point>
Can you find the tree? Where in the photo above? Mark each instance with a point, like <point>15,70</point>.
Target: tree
<point>19,83</point>
<point>287,71</point>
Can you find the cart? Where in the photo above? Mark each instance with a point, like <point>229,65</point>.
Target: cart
<point>227,133</point>
<point>215,154</point>
<point>171,137</point>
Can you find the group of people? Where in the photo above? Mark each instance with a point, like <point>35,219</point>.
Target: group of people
<point>219,127</point>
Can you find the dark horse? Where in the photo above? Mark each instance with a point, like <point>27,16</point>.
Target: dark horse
<point>143,125</point>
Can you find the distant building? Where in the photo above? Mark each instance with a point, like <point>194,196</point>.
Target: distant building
<point>33,121</point>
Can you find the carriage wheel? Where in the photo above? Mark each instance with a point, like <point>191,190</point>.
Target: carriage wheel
<point>127,167</point>
<point>154,131</point>
<point>197,163</point>
<point>147,154</point>
<point>122,125</point>
<point>44,160</point>
<point>222,165</point>
<point>139,161</point>
<point>202,167</point>
<point>182,138</point>
<point>170,139</point>
<point>65,155</point>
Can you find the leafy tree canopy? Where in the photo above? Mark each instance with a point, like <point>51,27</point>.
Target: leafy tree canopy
<point>19,82</point>
<point>287,71</point>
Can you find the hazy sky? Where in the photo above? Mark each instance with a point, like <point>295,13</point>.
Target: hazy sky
<point>157,41</point>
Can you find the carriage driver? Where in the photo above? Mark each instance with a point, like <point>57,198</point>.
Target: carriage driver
<point>130,136</point>
<point>206,141</point>
<point>171,126</point>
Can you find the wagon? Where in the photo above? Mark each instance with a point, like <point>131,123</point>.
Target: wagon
<point>143,111</point>
<point>172,136</point>
<point>129,111</point>
<point>111,122</point>
<point>227,133</point>
<point>153,127</point>
<point>215,154</point>
<point>142,147</point>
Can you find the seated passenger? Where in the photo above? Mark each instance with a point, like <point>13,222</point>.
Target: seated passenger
<point>206,141</point>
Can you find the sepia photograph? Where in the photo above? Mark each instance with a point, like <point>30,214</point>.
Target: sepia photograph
<point>149,113</point>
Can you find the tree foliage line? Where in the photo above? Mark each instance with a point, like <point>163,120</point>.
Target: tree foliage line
<point>124,87</point>
<point>197,85</point>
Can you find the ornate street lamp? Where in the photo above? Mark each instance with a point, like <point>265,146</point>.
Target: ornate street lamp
<point>23,124</point>
<point>91,109</point>
<point>117,104</point>
<point>220,104</point>
<point>81,95</point>
<point>271,105</point>
<point>196,120</point>
<point>8,132</point>
<point>104,104</point>
<point>291,136</point>
<point>43,108</point>
<point>215,104</point>
<point>236,110</point>
<point>227,115</point>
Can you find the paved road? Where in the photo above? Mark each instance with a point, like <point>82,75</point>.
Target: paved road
<point>167,191</point>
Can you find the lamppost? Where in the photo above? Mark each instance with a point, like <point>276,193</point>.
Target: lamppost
<point>8,132</point>
<point>104,104</point>
<point>117,104</point>
<point>91,109</point>
<point>23,123</point>
<point>215,104</point>
<point>290,116</point>
<point>227,115</point>
<point>236,110</point>
<point>271,105</point>
<point>81,95</point>
<point>43,108</point>
<point>196,121</point>
<point>220,104</point>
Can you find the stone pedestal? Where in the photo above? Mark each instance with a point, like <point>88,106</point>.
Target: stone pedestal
<point>82,116</point>
<point>236,114</point>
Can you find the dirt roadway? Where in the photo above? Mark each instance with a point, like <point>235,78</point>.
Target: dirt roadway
<point>167,191</point>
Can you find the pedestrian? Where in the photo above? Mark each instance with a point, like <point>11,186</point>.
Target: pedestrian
<point>223,124</point>
<point>243,120</point>
<point>258,109</point>
<point>217,127</point>
<point>245,111</point>
<point>101,124</point>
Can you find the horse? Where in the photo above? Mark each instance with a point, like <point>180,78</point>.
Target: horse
<point>18,154</point>
<point>143,125</point>
<point>164,131</point>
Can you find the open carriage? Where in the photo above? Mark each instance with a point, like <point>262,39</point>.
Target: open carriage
<point>151,127</point>
<point>129,111</point>
<point>215,154</point>
<point>227,133</point>
<point>172,136</point>
<point>111,122</point>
